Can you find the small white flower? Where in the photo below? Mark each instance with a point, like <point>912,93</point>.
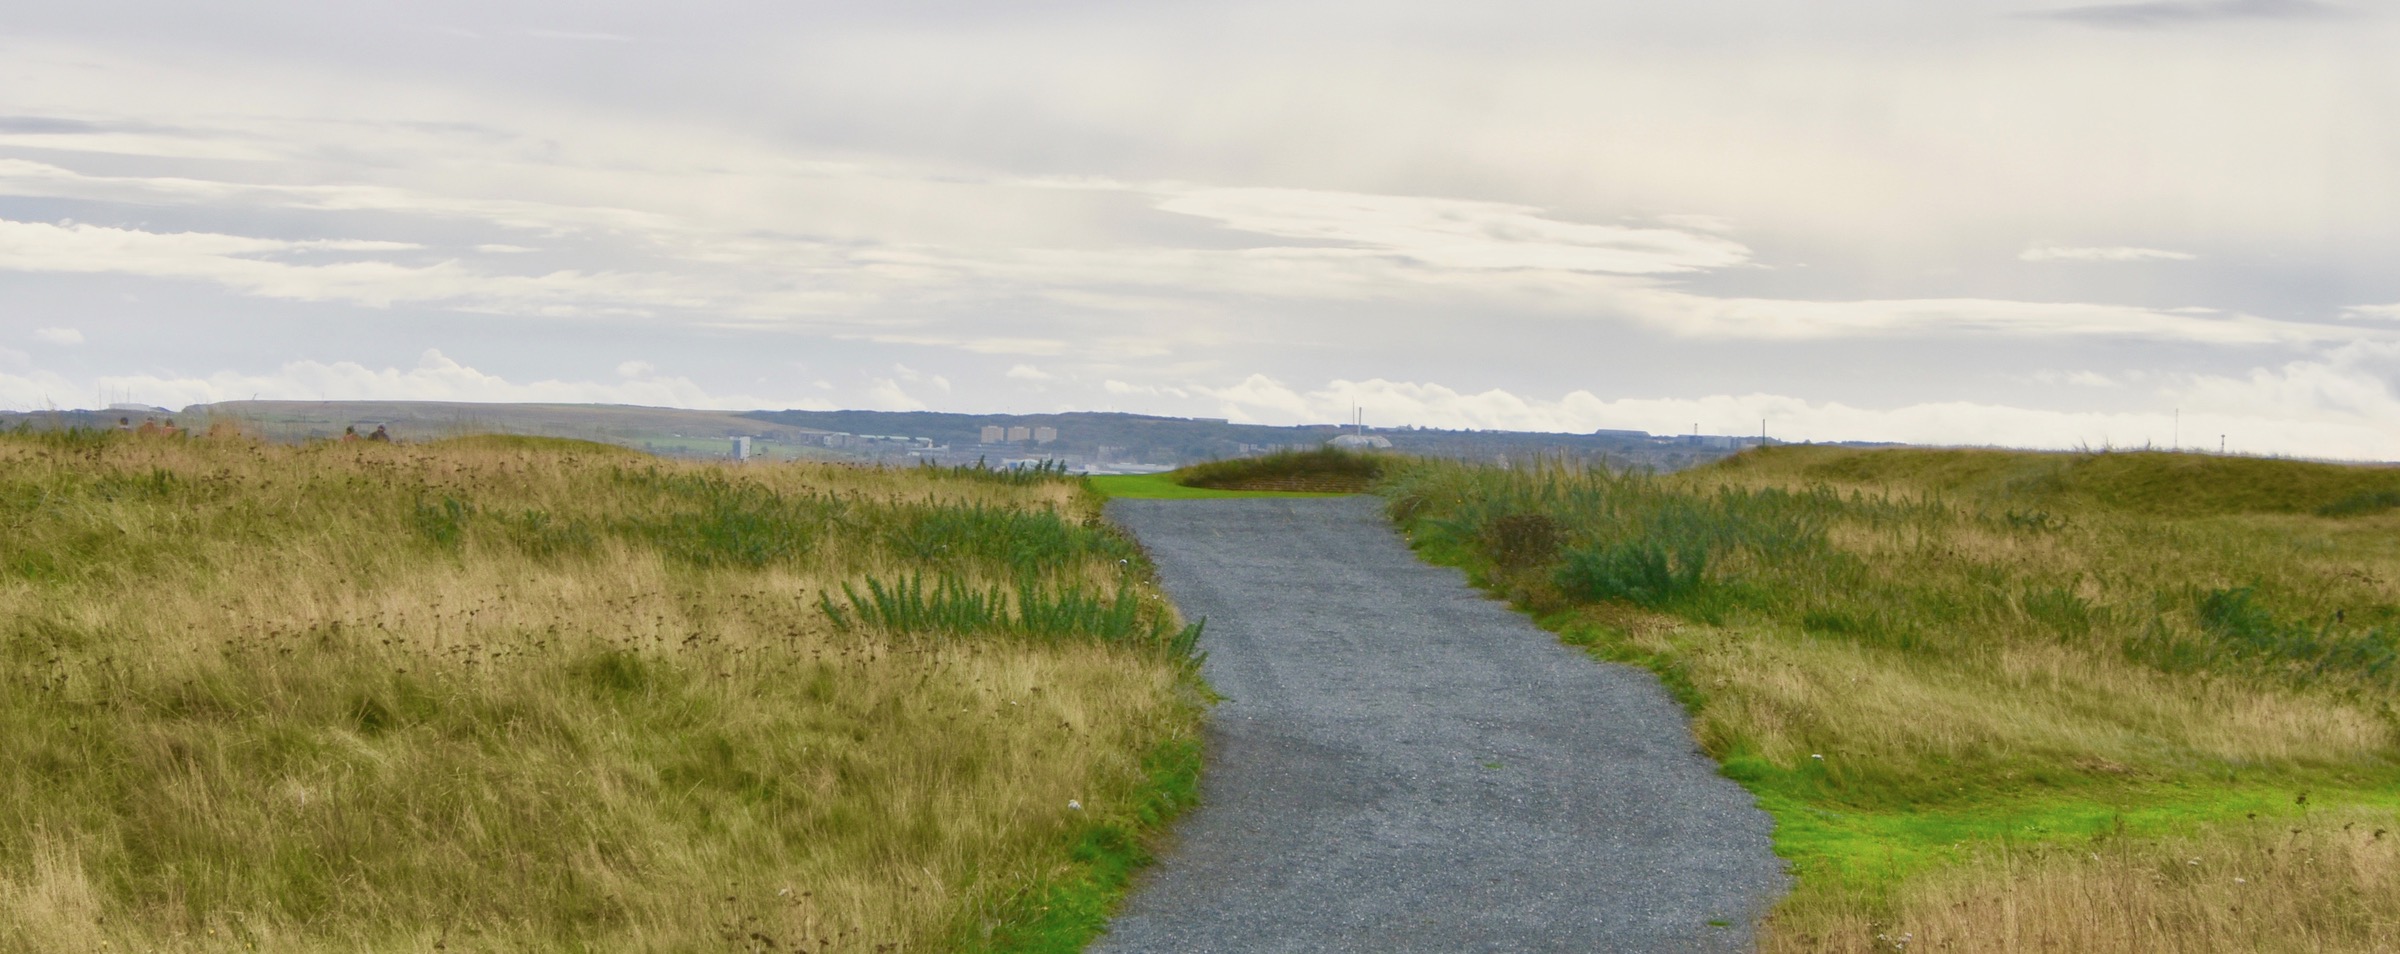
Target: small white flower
<point>1074,805</point>
<point>1819,758</point>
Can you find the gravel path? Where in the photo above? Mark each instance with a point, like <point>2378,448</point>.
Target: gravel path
<point>1403,765</point>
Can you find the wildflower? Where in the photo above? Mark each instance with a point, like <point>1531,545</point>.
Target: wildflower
<point>1074,805</point>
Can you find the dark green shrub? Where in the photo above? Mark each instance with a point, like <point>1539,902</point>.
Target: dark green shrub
<point>444,523</point>
<point>2059,609</point>
<point>1520,540</point>
<point>1330,469</point>
<point>1642,573</point>
<point>2361,504</point>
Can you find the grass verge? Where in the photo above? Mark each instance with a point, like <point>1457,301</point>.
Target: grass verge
<point>1999,701</point>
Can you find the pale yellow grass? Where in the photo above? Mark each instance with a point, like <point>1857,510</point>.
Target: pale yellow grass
<point>2327,884</point>
<point>923,782</point>
<point>1788,697</point>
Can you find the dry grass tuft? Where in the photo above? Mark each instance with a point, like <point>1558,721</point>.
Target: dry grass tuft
<point>2326,884</point>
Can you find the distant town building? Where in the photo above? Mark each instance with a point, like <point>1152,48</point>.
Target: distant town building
<point>1044,435</point>
<point>1360,441</point>
<point>741,448</point>
<point>1020,433</point>
<point>994,433</point>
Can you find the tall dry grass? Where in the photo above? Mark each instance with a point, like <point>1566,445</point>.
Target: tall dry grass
<point>1931,664</point>
<point>2327,885</point>
<point>508,694</point>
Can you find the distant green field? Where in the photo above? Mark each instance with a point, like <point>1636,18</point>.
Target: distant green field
<point>1164,487</point>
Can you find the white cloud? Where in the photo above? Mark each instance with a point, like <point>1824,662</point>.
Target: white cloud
<point>2307,408</point>
<point>1032,347</point>
<point>239,263</point>
<point>636,369</point>
<point>436,377</point>
<point>1027,372</point>
<point>1698,222</point>
<point>2080,379</point>
<point>885,394</point>
<point>1028,223</point>
<point>2112,253</point>
<point>1126,388</point>
<point>579,35</point>
<point>1458,233</point>
<point>58,336</point>
<point>354,245</point>
<point>1770,319</point>
<point>1459,253</point>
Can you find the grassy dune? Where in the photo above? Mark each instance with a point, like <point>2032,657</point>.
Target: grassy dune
<point>2002,701</point>
<point>520,694</point>
<point>1324,470</point>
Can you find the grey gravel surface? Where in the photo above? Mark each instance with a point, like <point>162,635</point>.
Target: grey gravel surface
<point>1401,764</point>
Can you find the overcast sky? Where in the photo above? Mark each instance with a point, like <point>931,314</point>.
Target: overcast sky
<point>1975,221</point>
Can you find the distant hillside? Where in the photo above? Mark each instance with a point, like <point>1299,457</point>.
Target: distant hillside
<point>1084,440</point>
<point>2150,482</point>
<point>1174,441</point>
<point>673,432</point>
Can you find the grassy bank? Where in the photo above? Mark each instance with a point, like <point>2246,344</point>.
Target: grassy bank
<point>517,694</point>
<point>1999,701</point>
<point>1323,470</point>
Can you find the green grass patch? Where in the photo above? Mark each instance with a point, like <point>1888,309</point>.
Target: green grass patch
<point>1164,487</point>
<point>1064,914</point>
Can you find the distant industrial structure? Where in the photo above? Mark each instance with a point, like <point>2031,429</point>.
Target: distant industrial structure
<point>1017,434</point>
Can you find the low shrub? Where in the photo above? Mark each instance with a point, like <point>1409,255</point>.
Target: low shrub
<point>1325,469</point>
